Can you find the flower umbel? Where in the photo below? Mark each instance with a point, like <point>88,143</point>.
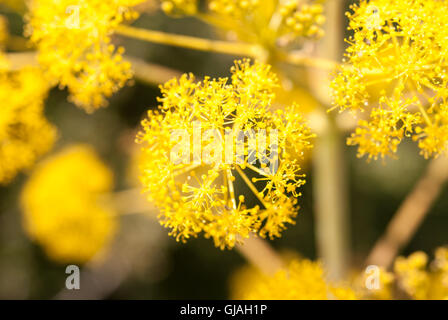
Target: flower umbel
<point>396,70</point>
<point>203,197</point>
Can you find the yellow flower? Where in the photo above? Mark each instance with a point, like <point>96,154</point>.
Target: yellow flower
<point>74,43</point>
<point>201,196</point>
<point>303,18</point>
<point>179,7</point>
<point>66,206</point>
<point>25,134</point>
<point>420,282</point>
<point>369,287</point>
<point>302,280</point>
<point>401,44</point>
<point>261,22</point>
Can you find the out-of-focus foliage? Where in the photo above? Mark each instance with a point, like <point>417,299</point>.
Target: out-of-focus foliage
<point>421,281</point>
<point>67,205</point>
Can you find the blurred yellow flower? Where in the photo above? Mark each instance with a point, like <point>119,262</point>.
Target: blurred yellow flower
<point>367,286</point>
<point>303,18</point>
<point>179,7</point>
<point>303,280</point>
<point>261,22</point>
<point>420,282</point>
<point>202,197</point>
<point>66,205</point>
<point>17,5</point>
<point>74,44</point>
<point>4,32</point>
<point>404,44</point>
<point>25,134</point>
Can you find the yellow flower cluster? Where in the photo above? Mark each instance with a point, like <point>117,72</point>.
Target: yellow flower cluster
<point>74,43</point>
<point>234,8</point>
<point>25,134</point>
<point>66,206</point>
<point>418,281</point>
<point>303,19</point>
<point>201,196</point>
<point>303,280</point>
<point>255,21</point>
<point>397,70</point>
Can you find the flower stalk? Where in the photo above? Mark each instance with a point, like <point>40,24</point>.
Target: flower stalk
<point>329,176</point>
<point>225,47</point>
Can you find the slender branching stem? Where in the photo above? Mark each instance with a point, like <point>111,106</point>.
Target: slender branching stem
<point>411,214</point>
<point>225,47</point>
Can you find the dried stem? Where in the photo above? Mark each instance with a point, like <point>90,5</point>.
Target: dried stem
<point>151,73</point>
<point>410,215</point>
<point>132,201</point>
<point>260,254</point>
<point>300,59</point>
<point>257,251</point>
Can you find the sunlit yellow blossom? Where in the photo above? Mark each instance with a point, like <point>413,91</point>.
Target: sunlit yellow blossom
<point>386,128</point>
<point>25,134</point>
<point>402,45</point>
<point>66,205</point>
<point>199,196</point>
<point>74,43</point>
<point>303,280</point>
<point>421,281</point>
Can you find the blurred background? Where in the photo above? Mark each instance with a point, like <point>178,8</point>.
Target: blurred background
<point>143,262</point>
